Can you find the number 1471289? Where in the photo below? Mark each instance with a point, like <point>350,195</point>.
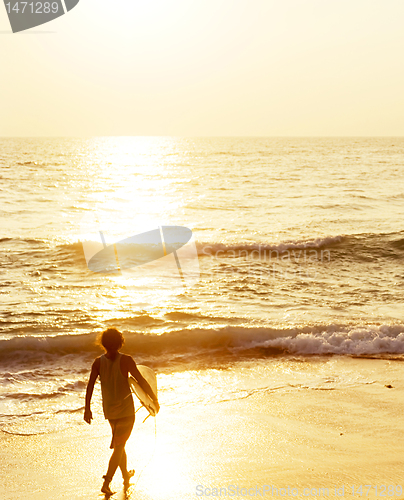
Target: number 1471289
<point>382,490</point>
<point>32,7</point>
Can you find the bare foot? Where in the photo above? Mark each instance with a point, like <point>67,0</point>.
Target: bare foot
<point>126,477</point>
<point>105,488</point>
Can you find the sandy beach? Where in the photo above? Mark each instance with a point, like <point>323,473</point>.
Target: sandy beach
<point>217,188</point>
<point>296,439</point>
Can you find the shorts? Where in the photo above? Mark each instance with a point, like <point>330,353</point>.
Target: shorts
<point>121,430</point>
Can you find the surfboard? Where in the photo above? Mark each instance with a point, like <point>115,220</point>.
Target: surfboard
<point>150,377</point>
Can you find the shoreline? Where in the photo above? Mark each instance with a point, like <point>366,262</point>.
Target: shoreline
<point>305,438</point>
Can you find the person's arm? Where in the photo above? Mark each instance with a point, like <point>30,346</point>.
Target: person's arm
<point>132,368</point>
<point>95,371</point>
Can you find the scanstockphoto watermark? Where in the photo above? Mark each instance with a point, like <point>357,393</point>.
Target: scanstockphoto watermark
<point>26,15</point>
<point>381,490</point>
<point>167,255</point>
<point>158,257</point>
<point>265,254</point>
<point>234,490</point>
<point>261,262</point>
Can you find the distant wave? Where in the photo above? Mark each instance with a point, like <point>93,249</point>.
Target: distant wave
<point>27,395</point>
<point>212,344</point>
<point>24,163</point>
<point>67,388</point>
<point>205,249</point>
<point>262,249</point>
<point>45,412</point>
<point>360,247</point>
<point>24,434</point>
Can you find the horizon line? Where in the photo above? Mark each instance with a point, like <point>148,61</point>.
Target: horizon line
<point>203,136</point>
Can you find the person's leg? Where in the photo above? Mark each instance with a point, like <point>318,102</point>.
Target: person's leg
<point>114,462</point>
<point>123,464</point>
<point>126,474</point>
<point>121,430</point>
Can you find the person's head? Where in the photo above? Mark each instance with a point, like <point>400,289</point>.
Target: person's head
<point>111,340</point>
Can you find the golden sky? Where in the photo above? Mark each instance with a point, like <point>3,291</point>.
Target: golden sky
<point>207,68</point>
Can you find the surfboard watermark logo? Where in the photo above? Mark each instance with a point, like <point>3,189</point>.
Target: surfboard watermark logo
<point>163,256</point>
<point>26,15</point>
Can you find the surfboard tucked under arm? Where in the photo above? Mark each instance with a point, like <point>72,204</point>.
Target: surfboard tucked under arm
<point>150,377</point>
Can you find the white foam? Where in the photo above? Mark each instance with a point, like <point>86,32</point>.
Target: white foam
<point>358,341</point>
<point>188,342</point>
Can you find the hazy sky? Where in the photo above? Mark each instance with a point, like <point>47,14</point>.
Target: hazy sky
<point>207,67</point>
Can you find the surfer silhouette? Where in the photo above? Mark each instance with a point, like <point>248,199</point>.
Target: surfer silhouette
<point>113,369</point>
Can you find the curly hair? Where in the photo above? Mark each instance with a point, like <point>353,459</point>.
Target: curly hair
<point>111,339</point>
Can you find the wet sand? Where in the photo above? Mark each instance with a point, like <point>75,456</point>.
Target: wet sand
<point>298,439</point>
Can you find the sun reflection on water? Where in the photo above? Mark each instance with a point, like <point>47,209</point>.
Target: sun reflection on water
<point>136,191</point>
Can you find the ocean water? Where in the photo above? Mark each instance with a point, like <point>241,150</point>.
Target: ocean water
<point>300,246</point>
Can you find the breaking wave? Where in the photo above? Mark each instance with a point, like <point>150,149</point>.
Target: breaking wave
<point>205,344</point>
<point>361,247</point>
